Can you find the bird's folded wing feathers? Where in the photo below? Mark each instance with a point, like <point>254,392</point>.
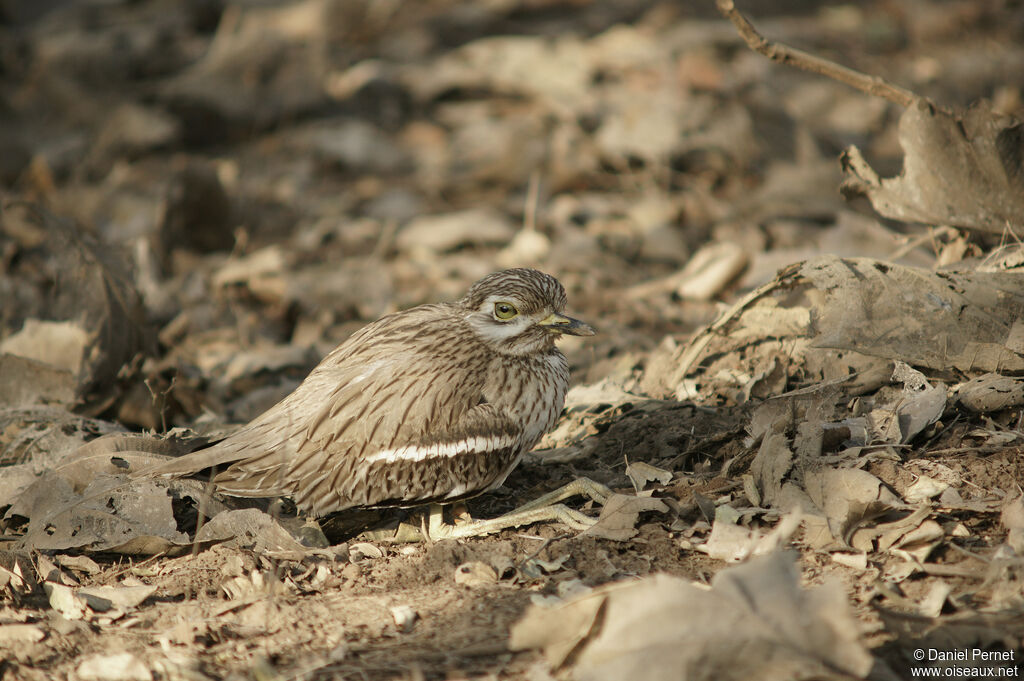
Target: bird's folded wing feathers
<point>375,393</point>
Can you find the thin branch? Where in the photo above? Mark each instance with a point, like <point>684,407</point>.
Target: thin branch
<point>784,54</point>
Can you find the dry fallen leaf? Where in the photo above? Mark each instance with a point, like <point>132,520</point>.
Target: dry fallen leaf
<point>64,600</point>
<point>111,514</point>
<point>847,496</point>
<point>103,598</point>
<point>964,171</point>
<point>249,528</point>
<point>938,320</point>
<point>20,634</point>
<point>619,515</point>
<point>991,392</point>
<point>640,473</point>
<point>755,622</point>
<point>58,344</point>
<point>1012,518</point>
<point>924,488</point>
<point>917,407</point>
<point>735,543</point>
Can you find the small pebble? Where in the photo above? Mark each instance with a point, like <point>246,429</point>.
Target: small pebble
<point>405,617</point>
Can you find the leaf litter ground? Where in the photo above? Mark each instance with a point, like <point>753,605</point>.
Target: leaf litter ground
<point>861,407</point>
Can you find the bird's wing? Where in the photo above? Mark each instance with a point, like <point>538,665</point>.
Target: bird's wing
<point>470,457</point>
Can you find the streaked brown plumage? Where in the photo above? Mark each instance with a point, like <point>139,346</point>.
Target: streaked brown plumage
<point>431,404</point>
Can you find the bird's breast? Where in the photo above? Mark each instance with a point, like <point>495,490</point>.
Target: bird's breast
<point>532,392</point>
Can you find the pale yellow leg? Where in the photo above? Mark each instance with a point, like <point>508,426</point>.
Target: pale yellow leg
<point>580,486</point>
<point>543,509</point>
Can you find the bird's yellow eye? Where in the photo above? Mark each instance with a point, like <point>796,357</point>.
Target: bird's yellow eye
<point>505,311</point>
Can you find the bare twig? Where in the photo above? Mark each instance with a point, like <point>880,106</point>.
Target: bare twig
<point>532,196</point>
<point>784,54</point>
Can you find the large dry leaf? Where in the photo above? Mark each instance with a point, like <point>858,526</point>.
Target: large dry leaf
<point>847,496</point>
<point>755,622</point>
<point>619,515</point>
<point>735,543</point>
<point>249,528</point>
<point>866,309</point>
<point>25,381</point>
<point>991,392</point>
<point>39,439</point>
<point>120,597</point>
<point>965,171</point>
<point>770,466</point>
<point>939,320</point>
<point>58,344</point>
<point>111,514</point>
<point>284,43</point>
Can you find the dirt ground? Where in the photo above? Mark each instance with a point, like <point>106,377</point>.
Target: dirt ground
<point>201,199</point>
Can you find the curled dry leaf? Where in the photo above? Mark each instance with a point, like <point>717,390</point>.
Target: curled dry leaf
<point>619,516</point>
<point>734,543</point>
<point>362,551</point>
<point>103,598</point>
<point>711,270</point>
<point>248,528</point>
<point>755,622</point>
<point>991,392</point>
<point>923,489</point>
<point>13,581</point>
<point>641,472</point>
<point>939,320</point>
<point>876,311</point>
<point>64,600</point>
<point>917,407</point>
<point>103,323</point>
<point>966,171</point>
<point>1012,518</point>
<point>919,542</point>
<point>847,496</point>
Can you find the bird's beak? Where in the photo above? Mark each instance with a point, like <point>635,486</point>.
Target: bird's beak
<point>556,323</point>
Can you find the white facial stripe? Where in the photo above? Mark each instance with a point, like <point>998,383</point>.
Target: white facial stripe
<point>495,330</point>
<point>473,445</point>
<point>499,331</point>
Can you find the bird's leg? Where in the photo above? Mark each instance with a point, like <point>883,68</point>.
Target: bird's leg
<point>434,528</point>
<point>544,508</point>
<point>580,486</point>
<point>477,528</point>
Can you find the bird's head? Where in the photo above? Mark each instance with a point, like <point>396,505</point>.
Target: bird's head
<point>519,311</point>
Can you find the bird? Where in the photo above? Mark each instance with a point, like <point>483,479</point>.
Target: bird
<point>426,406</point>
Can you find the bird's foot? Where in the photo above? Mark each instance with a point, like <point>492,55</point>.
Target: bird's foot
<point>543,509</point>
